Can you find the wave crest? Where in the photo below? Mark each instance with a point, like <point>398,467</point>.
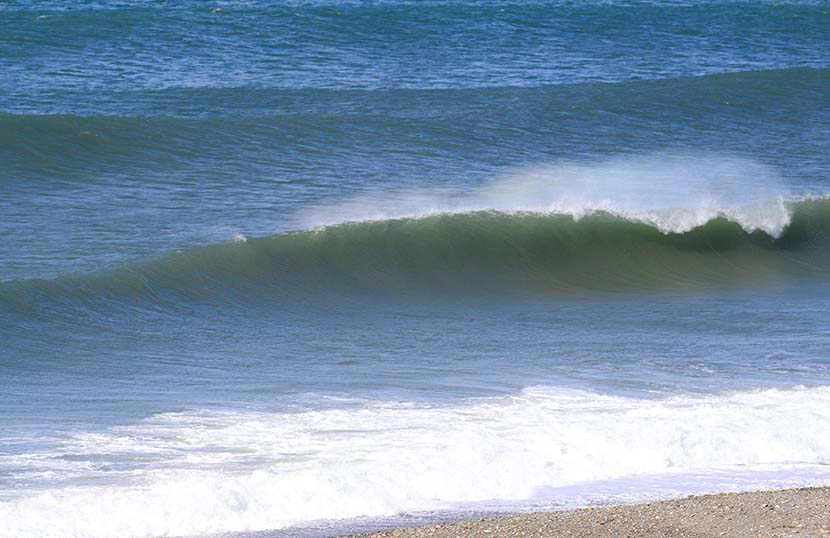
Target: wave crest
<point>673,192</point>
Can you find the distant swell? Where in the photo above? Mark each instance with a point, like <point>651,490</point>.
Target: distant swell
<point>482,254</point>
<point>183,123</point>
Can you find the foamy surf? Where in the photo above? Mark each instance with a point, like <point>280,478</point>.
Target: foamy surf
<point>201,471</point>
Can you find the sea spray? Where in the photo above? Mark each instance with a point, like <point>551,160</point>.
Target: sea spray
<point>672,191</point>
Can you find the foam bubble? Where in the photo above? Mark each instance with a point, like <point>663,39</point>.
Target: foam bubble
<point>210,471</point>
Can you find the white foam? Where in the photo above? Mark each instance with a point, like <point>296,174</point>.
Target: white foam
<point>209,471</point>
<point>674,192</point>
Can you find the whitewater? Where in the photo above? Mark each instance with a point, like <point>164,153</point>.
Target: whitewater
<point>384,458</point>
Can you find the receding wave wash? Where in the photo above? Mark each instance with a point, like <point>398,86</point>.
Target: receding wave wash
<point>310,268</point>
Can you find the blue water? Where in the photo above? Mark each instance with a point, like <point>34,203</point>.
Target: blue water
<point>307,268</point>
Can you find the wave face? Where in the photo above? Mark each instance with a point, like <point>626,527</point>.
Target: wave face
<point>484,253</point>
<point>385,458</point>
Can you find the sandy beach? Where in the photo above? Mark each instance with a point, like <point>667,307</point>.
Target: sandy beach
<point>767,514</point>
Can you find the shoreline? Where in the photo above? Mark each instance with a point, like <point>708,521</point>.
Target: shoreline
<point>801,512</point>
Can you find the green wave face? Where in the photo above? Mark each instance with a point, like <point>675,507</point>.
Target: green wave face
<point>493,253</point>
<point>476,254</point>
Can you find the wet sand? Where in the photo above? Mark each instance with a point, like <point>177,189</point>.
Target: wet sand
<point>769,514</point>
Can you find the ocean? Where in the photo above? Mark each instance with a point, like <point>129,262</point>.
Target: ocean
<point>311,267</point>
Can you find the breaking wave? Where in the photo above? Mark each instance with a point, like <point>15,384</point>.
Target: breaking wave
<point>479,253</point>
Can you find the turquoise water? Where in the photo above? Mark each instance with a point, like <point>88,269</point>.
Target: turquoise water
<point>313,267</point>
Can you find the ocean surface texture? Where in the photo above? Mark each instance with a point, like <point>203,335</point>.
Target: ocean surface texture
<point>296,268</point>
